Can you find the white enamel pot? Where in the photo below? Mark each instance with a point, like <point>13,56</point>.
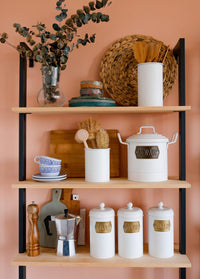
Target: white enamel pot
<point>147,156</point>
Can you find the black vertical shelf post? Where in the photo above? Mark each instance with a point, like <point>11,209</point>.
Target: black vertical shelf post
<point>22,158</point>
<point>179,52</point>
<point>22,163</point>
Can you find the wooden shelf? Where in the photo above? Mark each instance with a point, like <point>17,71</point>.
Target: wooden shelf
<point>76,110</point>
<point>48,257</point>
<point>115,183</point>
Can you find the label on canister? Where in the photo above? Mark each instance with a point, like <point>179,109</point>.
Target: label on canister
<point>103,227</point>
<point>131,227</point>
<point>161,225</point>
<point>147,152</point>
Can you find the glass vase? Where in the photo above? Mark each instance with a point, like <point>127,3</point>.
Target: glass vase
<point>50,94</point>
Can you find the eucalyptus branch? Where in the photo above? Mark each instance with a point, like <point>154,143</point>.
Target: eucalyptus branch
<point>11,45</point>
<point>53,48</point>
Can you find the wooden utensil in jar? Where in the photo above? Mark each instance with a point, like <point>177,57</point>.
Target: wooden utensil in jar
<point>157,51</point>
<point>153,51</point>
<point>92,126</point>
<point>82,136</point>
<point>140,51</point>
<point>165,55</point>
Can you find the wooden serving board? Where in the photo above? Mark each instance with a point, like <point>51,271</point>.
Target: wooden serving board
<point>63,146</point>
<point>53,208</point>
<point>72,205</point>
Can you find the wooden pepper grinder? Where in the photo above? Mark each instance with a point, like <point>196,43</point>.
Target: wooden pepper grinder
<point>33,247</point>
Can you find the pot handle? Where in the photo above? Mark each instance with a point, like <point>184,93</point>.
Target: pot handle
<point>146,127</point>
<point>174,138</point>
<point>120,139</point>
<point>78,219</point>
<point>46,223</point>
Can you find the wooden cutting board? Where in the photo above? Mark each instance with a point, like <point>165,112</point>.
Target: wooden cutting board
<point>63,146</point>
<point>53,208</point>
<point>72,205</point>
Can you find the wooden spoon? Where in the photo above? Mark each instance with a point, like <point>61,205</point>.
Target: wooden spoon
<point>82,136</point>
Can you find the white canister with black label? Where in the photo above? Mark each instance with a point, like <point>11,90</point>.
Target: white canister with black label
<point>130,232</point>
<point>102,232</point>
<point>147,155</point>
<point>161,231</point>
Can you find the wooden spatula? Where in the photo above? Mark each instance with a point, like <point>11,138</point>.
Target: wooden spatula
<point>150,52</point>
<point>153,52</point>
<point>140,51</point>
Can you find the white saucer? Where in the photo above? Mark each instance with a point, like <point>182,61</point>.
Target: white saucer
<point>41,178</point>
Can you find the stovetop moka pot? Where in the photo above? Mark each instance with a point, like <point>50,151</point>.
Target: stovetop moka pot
<point>66,227</point>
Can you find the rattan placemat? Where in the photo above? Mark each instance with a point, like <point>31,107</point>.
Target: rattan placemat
<point>118,70</point>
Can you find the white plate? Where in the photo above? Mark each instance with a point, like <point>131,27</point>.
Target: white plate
<point>41,178</point>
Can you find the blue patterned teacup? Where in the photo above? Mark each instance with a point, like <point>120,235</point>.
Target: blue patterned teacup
<point>52,170</point>
<point>45,160</point>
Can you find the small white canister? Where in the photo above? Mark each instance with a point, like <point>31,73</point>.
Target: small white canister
<point>102,232</point>
<point>161,231</point>
<point>150,84</point>
<point>130,232</point>
<point>97,165</point>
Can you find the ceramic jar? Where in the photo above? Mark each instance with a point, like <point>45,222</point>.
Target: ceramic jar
<point>97,164</point>
<point>130,232</point>
<point>150,84</point>
<point>102,232</point>
<point>91,88</point>
<point>161,231</point>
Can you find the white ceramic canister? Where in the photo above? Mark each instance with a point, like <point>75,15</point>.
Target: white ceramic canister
<point>150,84</point>
<point>147,156</point>
<point>97,165</point>
<point>102,232</point>
<point>130,232</point>
<point>161,231</point>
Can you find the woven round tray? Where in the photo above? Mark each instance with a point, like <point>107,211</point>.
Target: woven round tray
<point>118,70</point>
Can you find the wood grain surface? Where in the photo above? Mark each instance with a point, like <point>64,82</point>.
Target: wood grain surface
<point>63,146</point>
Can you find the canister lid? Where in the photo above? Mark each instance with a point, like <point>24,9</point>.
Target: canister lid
<point>102,211</point>
<point>130,211</point>
<point>160,211</point>
<point>154,137</point>
<point>147,138</point>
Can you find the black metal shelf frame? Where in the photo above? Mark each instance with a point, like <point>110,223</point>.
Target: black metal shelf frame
<point>179,52</point>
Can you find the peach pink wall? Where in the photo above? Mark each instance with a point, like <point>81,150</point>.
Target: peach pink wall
<point>167,21</point>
